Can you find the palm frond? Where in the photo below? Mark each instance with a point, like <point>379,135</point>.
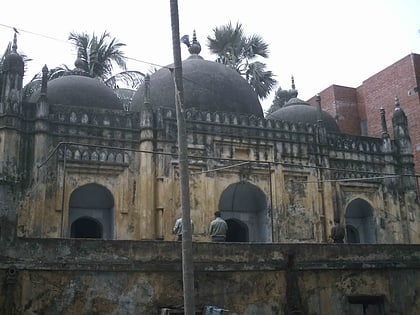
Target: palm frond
<point>237,51</point>
<point>261,80</point>
<point>256,46</point>
<point>126,79</point>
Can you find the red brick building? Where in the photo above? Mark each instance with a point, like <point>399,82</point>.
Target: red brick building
<point>357,109</point>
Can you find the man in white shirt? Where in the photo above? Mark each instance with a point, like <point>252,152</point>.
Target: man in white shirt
<point>218,228</point>
<point>177,230</point>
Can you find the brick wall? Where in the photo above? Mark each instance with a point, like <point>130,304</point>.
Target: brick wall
<point>380,90</point>
<point>341,103</point>
<point>352,106</point>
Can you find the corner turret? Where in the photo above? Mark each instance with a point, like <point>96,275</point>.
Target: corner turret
<point>12,81</point>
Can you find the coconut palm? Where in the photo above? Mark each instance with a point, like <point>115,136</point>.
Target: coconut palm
<point>99,54</point>
<point>96,57</point>
<point>240,52</point>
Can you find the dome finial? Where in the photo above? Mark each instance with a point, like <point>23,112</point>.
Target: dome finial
<point>195,47</point>
<point>80,65</point>
<point>293,91</point>
<point>14,46</point>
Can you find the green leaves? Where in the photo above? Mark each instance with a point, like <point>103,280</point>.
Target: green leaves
<point>238,51</point>
<point>96,57</point>
<point>97,54</point>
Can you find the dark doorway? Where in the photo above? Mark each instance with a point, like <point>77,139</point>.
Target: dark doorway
<point>352,234</point>
<point>86,228</point>
<point>237,231</point>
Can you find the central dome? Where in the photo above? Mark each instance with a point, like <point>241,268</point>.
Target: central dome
<point>208,86</point>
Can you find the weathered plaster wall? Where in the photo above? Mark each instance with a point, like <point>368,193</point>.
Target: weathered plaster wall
<point>57,276</point>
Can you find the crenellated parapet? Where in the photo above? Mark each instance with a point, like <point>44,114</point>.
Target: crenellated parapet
<point>356,157</point>
<point>234,124</point>
<point>350,143</point>
<point>94,117</point>
<point>81,124</point>
<point>93,154</point>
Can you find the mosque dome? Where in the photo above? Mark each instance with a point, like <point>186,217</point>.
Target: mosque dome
<point>81,91</point>
<point>299,111</point>
<point>208,86</point>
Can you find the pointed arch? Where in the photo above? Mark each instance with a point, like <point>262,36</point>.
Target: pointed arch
<point>360,226</point>
<point>244,205</point>
<point>91,212</point>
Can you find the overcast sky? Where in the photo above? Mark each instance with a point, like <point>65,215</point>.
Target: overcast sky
<point>320,42</point>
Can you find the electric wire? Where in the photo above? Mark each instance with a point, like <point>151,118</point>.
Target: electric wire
<point>66,42</point>
<point>169,67</point>
<point>238,162</point>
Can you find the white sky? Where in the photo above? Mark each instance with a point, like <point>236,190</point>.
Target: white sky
<point>319,42</point>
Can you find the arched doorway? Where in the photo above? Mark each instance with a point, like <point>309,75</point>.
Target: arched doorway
<point>245,205</point>
<point>91,212</point>
<point>360,226</point>
<point>237,231</point>
<point>86,227</point>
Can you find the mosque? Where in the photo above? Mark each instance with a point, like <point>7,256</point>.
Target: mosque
<point>84,174</point>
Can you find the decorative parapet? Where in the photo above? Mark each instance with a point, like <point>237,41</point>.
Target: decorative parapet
<point>233,123</point>
<point>94,117</point>
<point>353,157</point>
<point>79,153</point>
<point>350,143</point>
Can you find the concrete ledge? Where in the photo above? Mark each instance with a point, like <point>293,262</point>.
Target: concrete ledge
<point>88,254</point>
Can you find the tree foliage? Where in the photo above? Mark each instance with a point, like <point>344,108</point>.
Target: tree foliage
<point>240,52</point>
<point>97,56</point>
<point>280,99</point>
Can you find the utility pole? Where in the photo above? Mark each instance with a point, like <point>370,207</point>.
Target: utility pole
<point>187,259</point>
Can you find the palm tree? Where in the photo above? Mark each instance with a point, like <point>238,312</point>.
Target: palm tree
<point>96,57</point>
<point>238,51</point>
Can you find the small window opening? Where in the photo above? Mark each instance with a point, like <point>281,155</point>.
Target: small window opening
<point>367,305</point>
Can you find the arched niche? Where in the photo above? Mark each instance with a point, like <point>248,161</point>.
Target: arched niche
<point>245,205</point>
<point>91,212</point>
<point>360,223</point>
